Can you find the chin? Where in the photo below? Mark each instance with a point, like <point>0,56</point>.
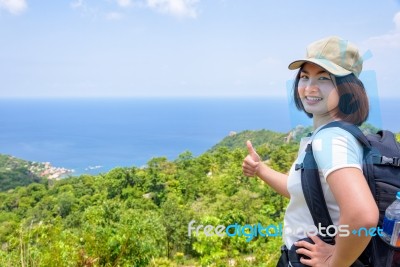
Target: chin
<point>309,110</point>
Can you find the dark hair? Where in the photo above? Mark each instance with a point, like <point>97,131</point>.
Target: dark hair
<point>353,101</point>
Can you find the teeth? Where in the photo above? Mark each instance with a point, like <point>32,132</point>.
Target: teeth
<point>314,98</point>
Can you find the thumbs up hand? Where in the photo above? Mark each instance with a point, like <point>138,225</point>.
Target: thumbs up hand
<point>252,162</point>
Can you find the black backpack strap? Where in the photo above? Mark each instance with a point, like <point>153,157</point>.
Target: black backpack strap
<point>313,194</point>
<point>311,183</point>
<point>351,128</point>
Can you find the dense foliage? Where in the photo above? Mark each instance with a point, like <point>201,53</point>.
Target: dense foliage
<point>257,138</point>
<point>140,216</point>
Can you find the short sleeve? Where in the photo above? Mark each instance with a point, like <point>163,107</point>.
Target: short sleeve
<point>335,148</point>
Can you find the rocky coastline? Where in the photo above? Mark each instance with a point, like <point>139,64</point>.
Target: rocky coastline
<point>46,170</point>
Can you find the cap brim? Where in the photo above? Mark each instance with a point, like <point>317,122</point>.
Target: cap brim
<point>323,63</point>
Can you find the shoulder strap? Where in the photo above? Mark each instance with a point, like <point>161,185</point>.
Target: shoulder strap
<point>313,194</point>
<point>311,183</point>
<point>351,128</point>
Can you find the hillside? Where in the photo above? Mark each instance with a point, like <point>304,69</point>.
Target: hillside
<point>140,216</point>
<point>260,137</point>
<point>238,140</point>
<point>17,172</point>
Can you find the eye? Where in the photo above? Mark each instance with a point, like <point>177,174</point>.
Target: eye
<point>303,76</point>
<point>324,78</point>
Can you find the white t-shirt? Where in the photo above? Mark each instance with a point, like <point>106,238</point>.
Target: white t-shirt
<point>334,148</point>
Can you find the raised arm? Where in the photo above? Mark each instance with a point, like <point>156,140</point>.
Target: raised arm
<point>252,165</point>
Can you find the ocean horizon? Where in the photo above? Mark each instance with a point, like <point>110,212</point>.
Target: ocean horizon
<point>95,135</point>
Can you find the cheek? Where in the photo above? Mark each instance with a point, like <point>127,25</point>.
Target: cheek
<point>333,101</point>
<point>301,90</point>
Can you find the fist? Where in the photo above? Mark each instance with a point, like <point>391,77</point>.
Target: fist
<point>252,162</point>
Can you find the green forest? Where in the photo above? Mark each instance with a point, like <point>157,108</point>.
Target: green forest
<point>139,216</point>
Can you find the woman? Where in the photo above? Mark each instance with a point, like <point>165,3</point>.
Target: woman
<point>327,88</point>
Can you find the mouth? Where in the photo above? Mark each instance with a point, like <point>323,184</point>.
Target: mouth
<point>313,98</point>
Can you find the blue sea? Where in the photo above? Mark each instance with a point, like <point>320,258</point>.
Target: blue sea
<point>96,135</point>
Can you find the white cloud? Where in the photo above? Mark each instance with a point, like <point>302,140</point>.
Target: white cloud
<point>86,10</point>
<point>77,4</point>
<point>124,3</point>
<point>15,7</point>
<point>389,40</point>
<point>178,8</point>
<point>114,16</point>
<point>396,20</point>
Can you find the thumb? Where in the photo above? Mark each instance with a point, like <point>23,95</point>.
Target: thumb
<point>252,151</point>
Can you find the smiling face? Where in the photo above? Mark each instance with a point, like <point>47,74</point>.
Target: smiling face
<point>318,93</point>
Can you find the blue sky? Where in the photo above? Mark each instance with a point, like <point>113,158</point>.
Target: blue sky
<point>168,48</point>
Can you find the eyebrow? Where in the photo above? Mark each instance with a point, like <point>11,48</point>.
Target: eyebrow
<point>319,72</point>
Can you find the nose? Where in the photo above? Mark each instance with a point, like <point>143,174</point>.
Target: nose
<point>310,85</point>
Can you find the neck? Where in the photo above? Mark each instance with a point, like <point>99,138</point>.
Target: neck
<point>319,121</point>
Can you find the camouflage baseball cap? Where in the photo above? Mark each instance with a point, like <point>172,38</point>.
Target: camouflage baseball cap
<point>334,54</point>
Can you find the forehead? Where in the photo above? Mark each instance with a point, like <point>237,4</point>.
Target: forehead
<point>312,68</point>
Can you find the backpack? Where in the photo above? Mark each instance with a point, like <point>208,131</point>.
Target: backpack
<point>381,168</point>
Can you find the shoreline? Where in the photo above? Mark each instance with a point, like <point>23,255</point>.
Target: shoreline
<point>46,170</point>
